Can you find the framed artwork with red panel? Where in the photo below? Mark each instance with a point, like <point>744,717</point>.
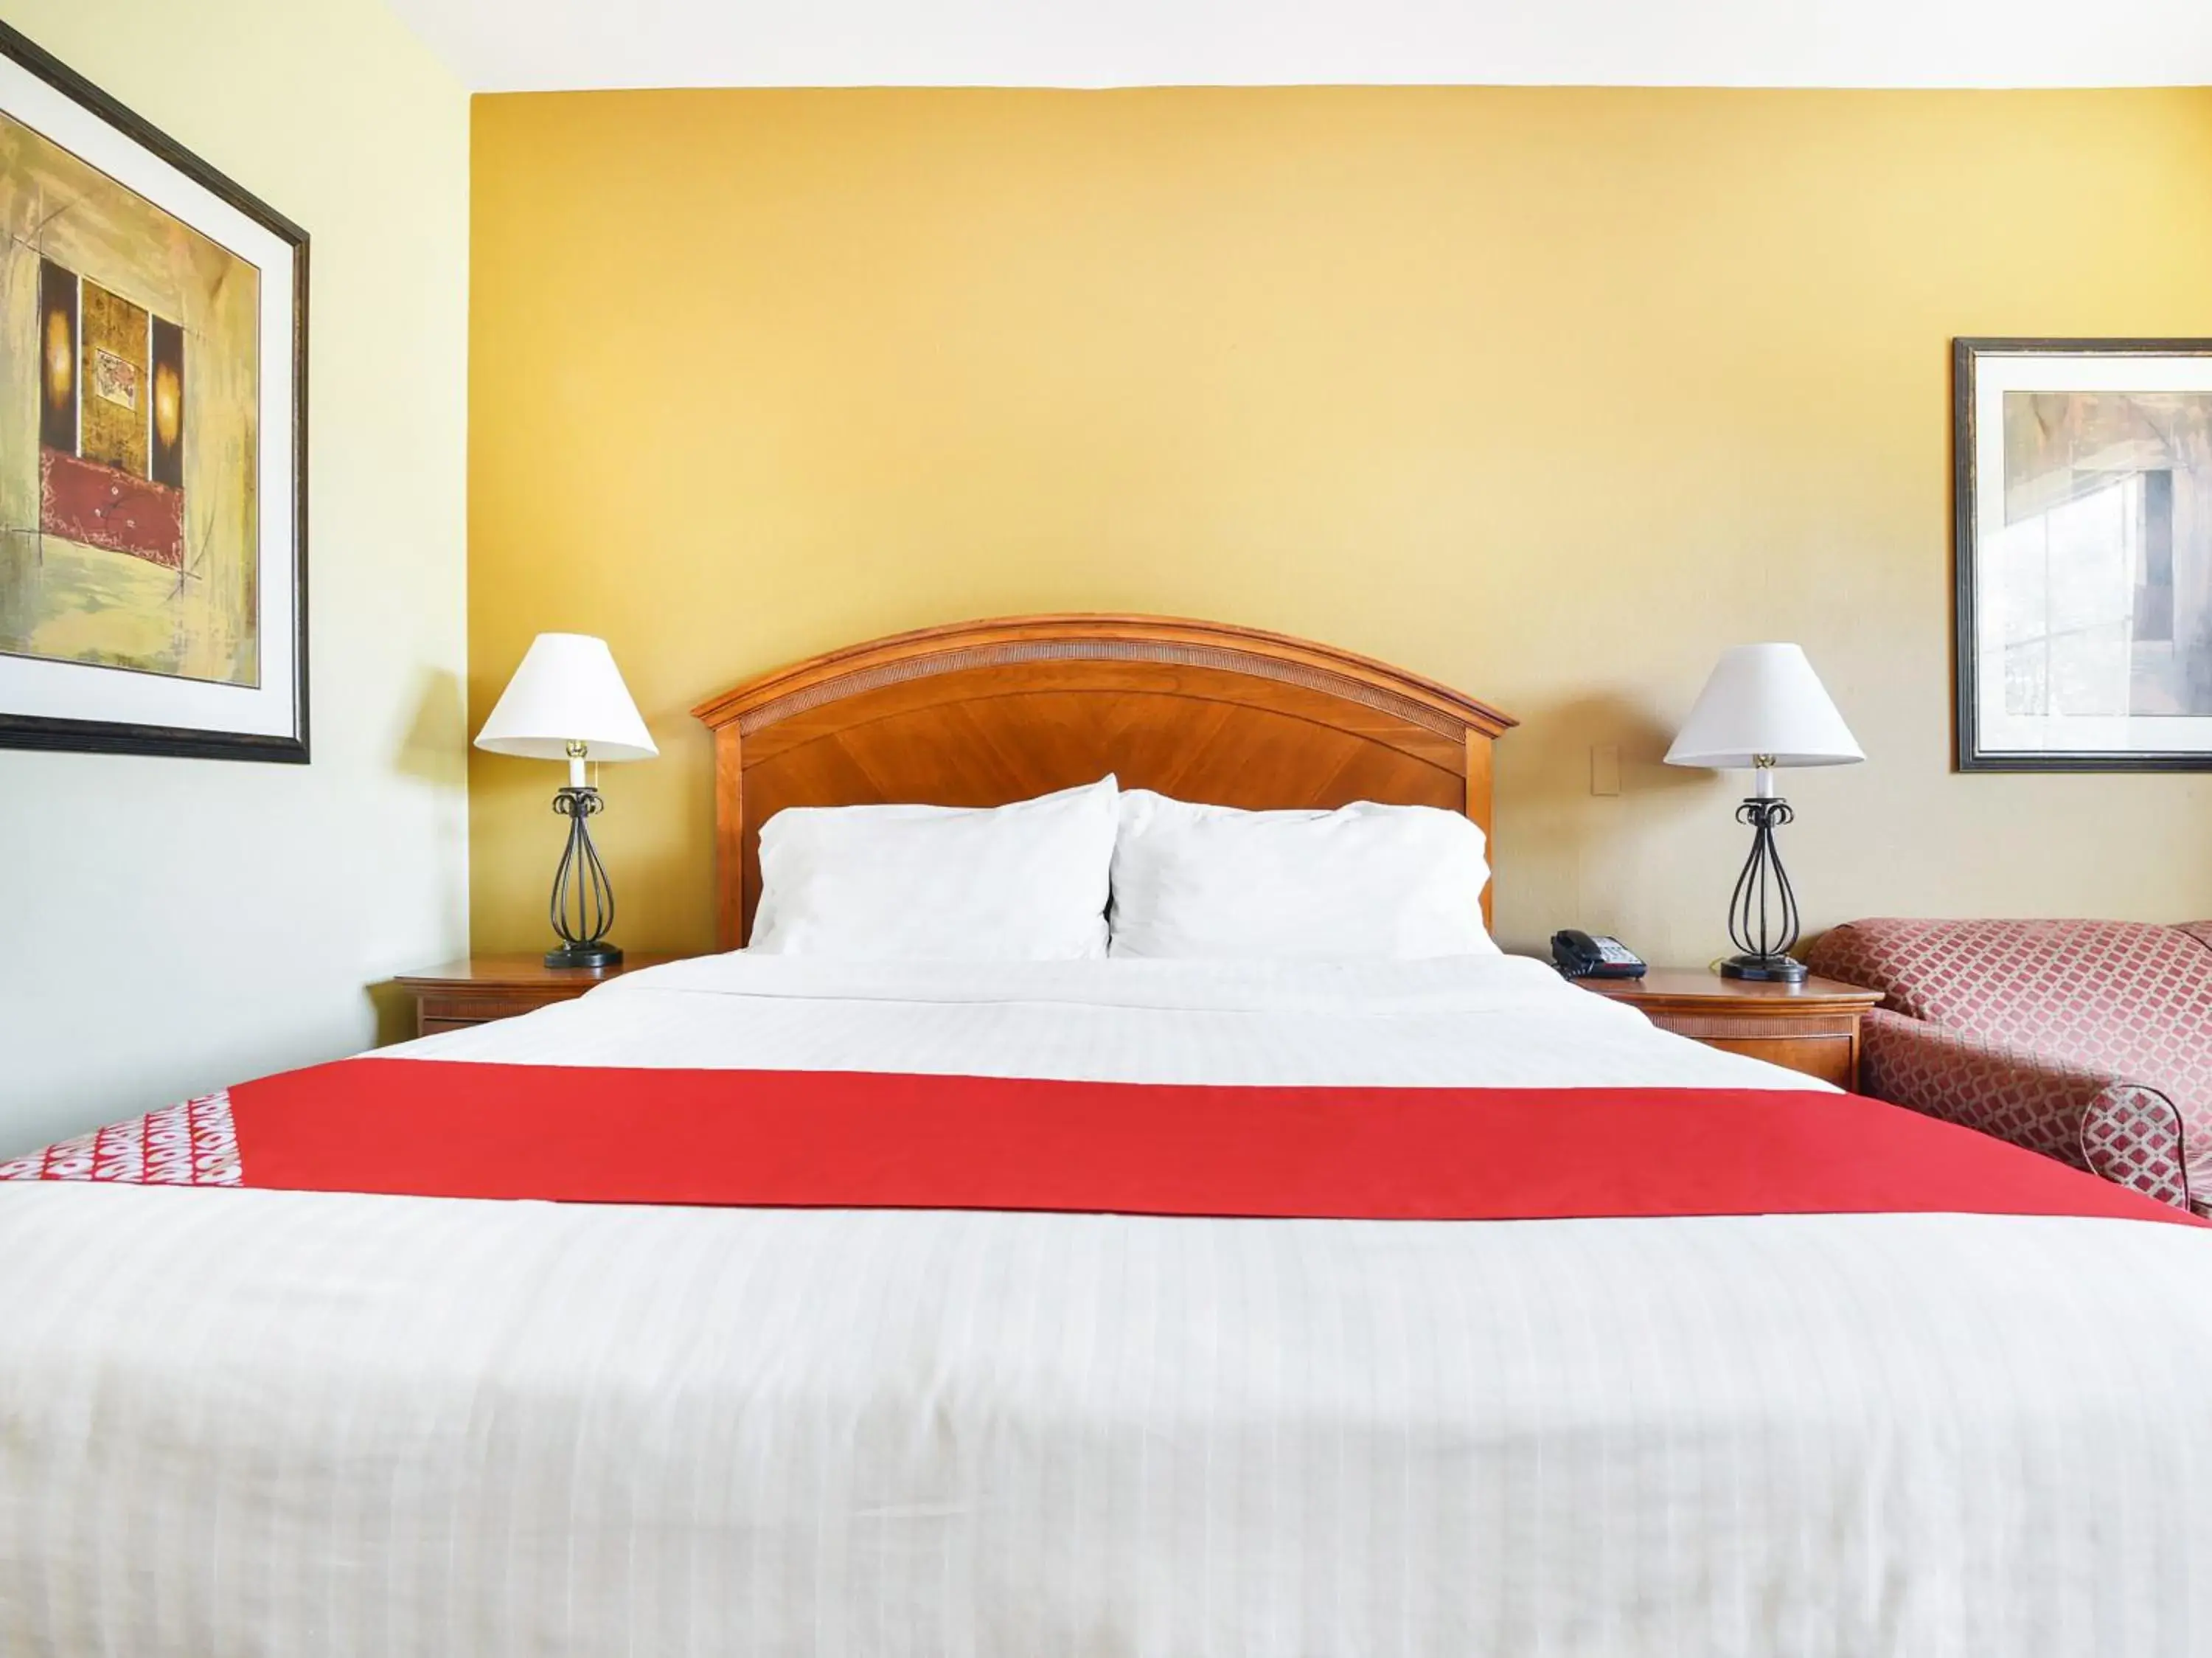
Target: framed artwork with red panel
<point>153,437</point>
<point>2083,502</point>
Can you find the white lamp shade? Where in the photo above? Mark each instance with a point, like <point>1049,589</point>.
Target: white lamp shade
<point>1764,701</point>
<point>567,690</point>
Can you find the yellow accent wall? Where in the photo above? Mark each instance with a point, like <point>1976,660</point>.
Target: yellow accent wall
<point>1548,394</point>
<point>175,925</point>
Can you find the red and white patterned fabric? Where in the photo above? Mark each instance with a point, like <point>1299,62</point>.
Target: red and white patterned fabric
<point>194,1143</point>
<point>2090,1041</point>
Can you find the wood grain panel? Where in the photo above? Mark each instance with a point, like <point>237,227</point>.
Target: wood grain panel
<point>1723,1021</point>
<point>982,713</point>
<point>1831,1058</point>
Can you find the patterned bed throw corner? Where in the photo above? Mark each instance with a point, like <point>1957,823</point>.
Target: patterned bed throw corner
<point>189,1144</point>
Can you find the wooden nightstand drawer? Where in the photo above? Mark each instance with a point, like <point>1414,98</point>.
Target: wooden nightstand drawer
<point>1831,1058</point>
<point>426,1026</point>
<point>1811,1027</point>
<point>483,988</point>
<point>446,1007</point>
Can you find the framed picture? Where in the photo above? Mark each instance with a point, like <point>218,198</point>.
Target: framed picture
<point>153,437</point>
<point>2084,549</point>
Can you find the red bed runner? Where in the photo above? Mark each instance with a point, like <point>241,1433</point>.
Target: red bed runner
<point>863,1140</point>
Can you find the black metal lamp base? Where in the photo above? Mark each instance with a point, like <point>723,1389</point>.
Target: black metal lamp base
<point>583,909</point>
<point>584,956</point>
<point>1765,969</point>
<point>1763,912</point>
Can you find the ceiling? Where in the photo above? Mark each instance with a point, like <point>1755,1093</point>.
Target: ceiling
<point>536,45</point>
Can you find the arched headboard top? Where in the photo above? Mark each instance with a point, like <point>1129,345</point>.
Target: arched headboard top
<point>1096,638</point>
<point>981,713</point>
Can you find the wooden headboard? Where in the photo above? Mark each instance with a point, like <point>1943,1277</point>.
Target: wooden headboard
<point>982,713</point>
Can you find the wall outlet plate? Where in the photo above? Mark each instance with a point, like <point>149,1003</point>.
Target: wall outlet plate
<point>1605,769</point>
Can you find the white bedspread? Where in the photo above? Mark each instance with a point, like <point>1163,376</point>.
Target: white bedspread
<point>252,1423</point>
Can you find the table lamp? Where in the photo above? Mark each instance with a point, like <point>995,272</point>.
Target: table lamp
<point>568,701</point>
<point>1762,707</point>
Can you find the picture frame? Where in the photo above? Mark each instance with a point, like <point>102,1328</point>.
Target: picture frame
<point>2083,550</point>
<point>154,455</point>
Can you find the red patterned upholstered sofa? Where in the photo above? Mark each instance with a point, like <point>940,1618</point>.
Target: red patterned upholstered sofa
<point>2088,1041</point>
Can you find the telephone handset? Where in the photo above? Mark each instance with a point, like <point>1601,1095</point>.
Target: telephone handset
<point>1578,955</point>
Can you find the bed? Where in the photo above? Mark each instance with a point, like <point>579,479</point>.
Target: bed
<point>280,1418</point>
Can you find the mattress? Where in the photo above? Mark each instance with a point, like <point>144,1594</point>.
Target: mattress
<point>279,1422</point>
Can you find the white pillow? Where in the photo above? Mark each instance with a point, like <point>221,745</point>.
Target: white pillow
<point>1363,882</point>
<point>1025,882</point>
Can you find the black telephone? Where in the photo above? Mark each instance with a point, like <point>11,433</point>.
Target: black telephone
<point>1578,955</point>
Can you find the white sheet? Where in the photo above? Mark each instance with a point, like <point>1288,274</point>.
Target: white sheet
<point>1467,1021</point>
<point>246,1422</point>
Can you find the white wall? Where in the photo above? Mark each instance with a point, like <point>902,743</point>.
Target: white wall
<point>167,926</point>
<point>549,46</point>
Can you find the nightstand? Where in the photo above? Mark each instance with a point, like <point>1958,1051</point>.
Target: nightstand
<point>482,988</point>
<point>1811,1027</point>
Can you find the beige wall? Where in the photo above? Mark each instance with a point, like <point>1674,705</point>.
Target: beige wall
<point>1550,395</point>
<point>172,925</point>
